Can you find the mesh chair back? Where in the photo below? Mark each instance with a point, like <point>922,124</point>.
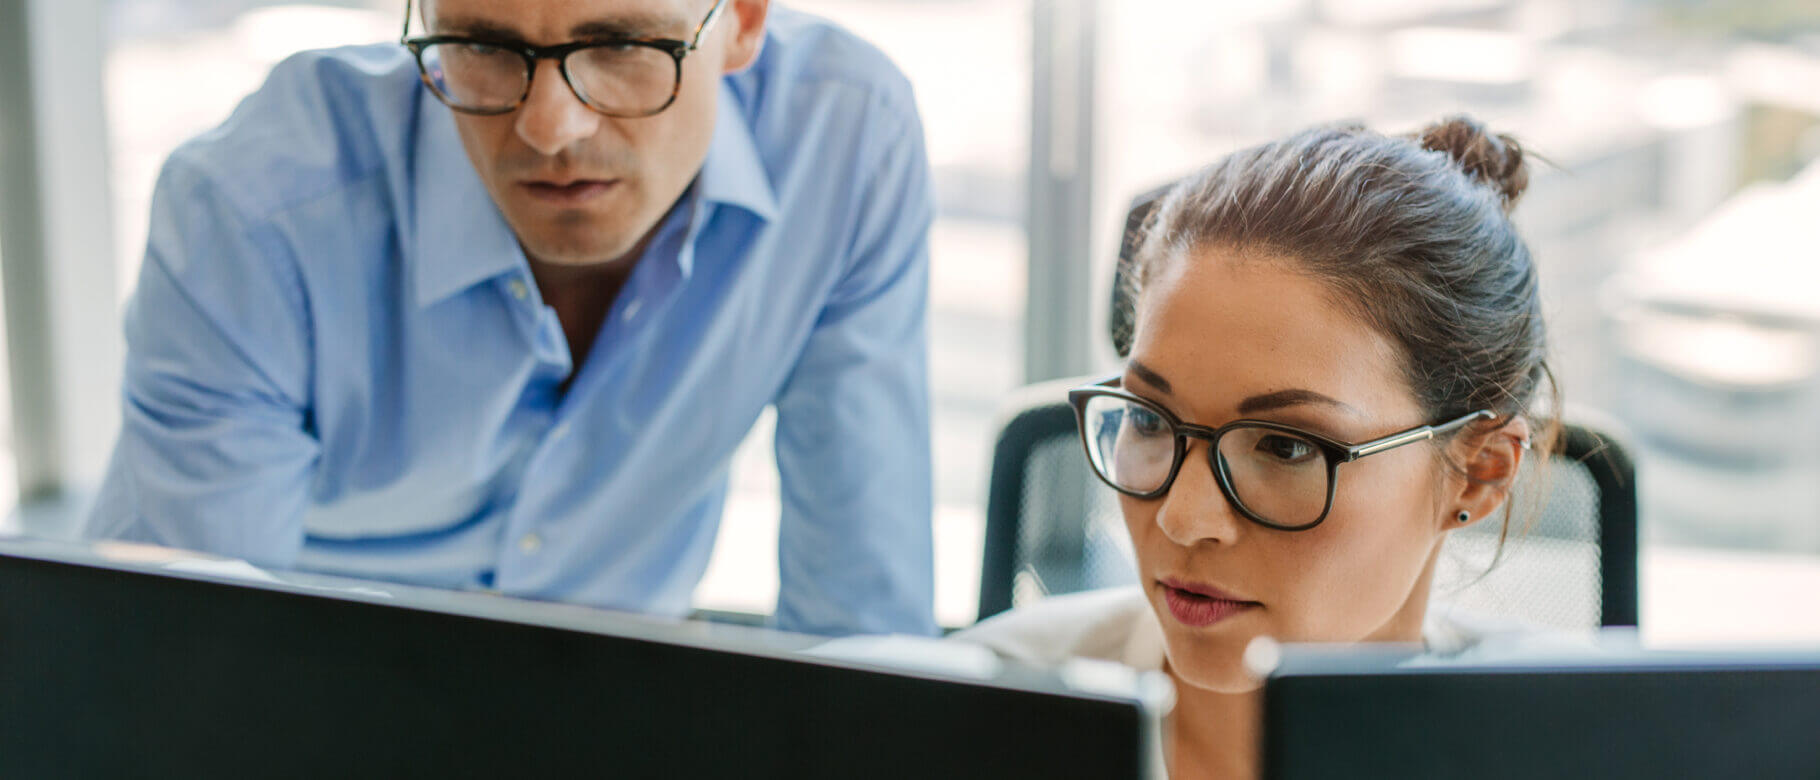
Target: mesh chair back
<point>1052,528</point>
<point>1123,313</point>
<point>1569,558</point>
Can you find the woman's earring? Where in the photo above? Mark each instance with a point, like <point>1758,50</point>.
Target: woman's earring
<point>1464,517</point>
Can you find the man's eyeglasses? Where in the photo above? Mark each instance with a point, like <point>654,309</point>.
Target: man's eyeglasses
<point>1277,475</point>
<point>620,77</point>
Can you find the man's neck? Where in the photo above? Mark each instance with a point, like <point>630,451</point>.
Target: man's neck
<point>582,294</point>
<point>564,283</point>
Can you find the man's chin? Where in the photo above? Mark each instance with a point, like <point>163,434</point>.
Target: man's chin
<point>555,248</point>
<point>573,257</point>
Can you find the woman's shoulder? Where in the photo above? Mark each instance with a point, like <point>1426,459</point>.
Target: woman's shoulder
<point>1114,624</point>
<point>1456,634</point>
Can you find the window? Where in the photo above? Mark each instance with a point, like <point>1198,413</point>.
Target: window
<point>1669,231</point>
<point>975,114</point>
<point>1666,230</point>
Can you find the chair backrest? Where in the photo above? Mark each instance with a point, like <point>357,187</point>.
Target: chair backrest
<point>1124,309</point>
<point>1568,560</point>
<point>1052,528</point>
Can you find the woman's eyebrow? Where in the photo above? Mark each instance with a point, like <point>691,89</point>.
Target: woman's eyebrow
<point>1150,377</point>
<point>1292,397</point>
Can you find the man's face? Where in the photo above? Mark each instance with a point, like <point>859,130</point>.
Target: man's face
<point>579,187</point>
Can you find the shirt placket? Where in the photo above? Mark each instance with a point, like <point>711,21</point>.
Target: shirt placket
<point>529,530</point>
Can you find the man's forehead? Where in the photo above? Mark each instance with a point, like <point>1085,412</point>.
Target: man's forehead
<point>561,19</point>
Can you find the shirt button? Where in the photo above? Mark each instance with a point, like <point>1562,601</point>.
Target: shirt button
<point>632,309</point>
<point>519,290</point>
<point>530,543</point>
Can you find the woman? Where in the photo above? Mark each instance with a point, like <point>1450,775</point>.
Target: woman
<point>1337,344</point>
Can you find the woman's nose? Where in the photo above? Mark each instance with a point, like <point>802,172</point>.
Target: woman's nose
<point>1195,510</point>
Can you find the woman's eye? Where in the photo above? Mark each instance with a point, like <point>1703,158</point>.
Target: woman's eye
<point>1286,449</point>
<point>1146,422</point>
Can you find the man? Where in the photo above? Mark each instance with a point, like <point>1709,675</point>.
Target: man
<point>493,309</point>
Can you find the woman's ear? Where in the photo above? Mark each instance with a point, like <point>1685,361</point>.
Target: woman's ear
<point>1491,460</point>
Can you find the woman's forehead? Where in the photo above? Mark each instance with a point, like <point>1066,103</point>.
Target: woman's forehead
<point>1222,327</point>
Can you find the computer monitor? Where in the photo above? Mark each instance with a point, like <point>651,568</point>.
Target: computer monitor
<point>122,661</point>
<point>1605,713</point>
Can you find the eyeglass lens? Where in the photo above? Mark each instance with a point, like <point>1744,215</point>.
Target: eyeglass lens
<point>616,79</point>
<point>1275,474</point>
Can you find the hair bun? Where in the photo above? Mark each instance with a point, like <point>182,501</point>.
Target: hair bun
<point>1495,160</point>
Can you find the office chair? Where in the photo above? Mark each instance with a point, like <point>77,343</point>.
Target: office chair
<point>1052,528</point>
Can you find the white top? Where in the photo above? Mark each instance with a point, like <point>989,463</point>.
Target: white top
<point>1117,624</point>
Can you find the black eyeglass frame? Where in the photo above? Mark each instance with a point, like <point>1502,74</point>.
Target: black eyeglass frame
<point>677,50</point>
<point>1335,451</point>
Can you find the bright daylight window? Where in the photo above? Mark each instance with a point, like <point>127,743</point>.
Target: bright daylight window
<point>1675,233</point>
<point>1673,230</point>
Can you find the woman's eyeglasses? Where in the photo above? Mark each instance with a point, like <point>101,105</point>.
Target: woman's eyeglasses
<point>1277,475</point>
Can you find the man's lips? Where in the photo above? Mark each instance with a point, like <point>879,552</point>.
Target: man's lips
<point>570,192</point>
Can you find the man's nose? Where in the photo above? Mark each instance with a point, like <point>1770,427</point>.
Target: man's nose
<point>552,117</point>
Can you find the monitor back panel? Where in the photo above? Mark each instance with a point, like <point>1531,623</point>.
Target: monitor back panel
<point>1706,720</point>
<point>120,673</point>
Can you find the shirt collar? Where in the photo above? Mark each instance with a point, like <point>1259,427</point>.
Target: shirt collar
<point>460,236</point>
<point>463,240</point>
<point>734,173</point>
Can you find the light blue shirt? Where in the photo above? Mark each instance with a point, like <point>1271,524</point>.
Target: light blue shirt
<point>338,359</point>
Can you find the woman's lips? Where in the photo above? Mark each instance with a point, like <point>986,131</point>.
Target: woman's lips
<point>572,193</point>
<point>1196,608</point>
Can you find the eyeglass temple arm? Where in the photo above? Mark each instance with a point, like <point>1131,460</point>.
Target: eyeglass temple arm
<point>1413,435</point>
<point>701,29</point>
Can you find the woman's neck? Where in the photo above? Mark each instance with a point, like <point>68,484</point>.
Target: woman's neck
<point>1213,735</point>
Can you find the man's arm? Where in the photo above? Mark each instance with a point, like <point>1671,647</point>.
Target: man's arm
<point>855,552</point>
<point>215,451</point>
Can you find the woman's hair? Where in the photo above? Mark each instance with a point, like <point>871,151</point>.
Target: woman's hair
<point>1412,233</point>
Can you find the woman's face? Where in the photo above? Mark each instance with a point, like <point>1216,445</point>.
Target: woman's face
<point>1220,336</point>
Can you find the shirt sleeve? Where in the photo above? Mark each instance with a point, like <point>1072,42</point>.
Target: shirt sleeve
<point>215,451</point>
<point>855,553</point>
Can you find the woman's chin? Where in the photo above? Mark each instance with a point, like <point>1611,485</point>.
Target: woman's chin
<point>1216,669</point>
